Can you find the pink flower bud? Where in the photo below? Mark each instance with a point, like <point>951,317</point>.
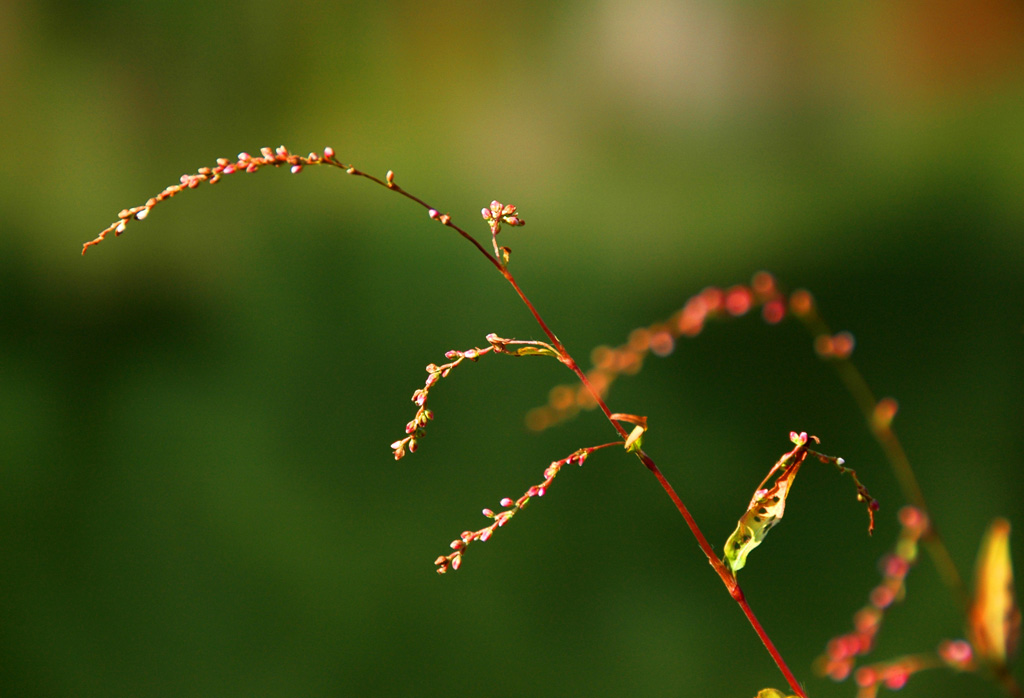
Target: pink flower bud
<point>738,300</point>
<point>956,652</point>
<point>328,153</point>
<point>881,596</point>
<point>488,513</point>
<point>506,502</point>
<point>296,169</point>
<point>896,680</point>
<point>865,677</point>
<point>911,517</point>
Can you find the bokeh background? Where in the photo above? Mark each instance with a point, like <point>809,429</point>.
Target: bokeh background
<point>196,491</point>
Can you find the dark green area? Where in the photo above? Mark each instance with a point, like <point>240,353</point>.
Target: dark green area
<point>196,491</point>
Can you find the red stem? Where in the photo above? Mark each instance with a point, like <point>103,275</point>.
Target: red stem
<point>726,575</point>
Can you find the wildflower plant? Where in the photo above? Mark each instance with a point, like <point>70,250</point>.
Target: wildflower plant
<point>991,614</point>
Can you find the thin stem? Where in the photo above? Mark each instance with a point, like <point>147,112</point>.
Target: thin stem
<point>281,156</point>
<point>726,575</point>
<point>882,430</point>
<point>443,218</point>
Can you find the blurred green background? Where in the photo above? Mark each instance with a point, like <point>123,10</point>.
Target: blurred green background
<point>197,495</point>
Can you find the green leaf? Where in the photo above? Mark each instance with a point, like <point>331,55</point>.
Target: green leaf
<point>767,506</point>
<point>765,511</point>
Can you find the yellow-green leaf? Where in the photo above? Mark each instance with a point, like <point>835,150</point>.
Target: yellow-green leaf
<point>772,693</point>
<point>994,619</point>
<point>766,509</point>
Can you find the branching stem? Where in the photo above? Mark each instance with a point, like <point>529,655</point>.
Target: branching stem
<point>726,575</point>
<point>496,215</point>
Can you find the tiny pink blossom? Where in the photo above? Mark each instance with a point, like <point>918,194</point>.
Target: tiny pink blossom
<point>896,680</point>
